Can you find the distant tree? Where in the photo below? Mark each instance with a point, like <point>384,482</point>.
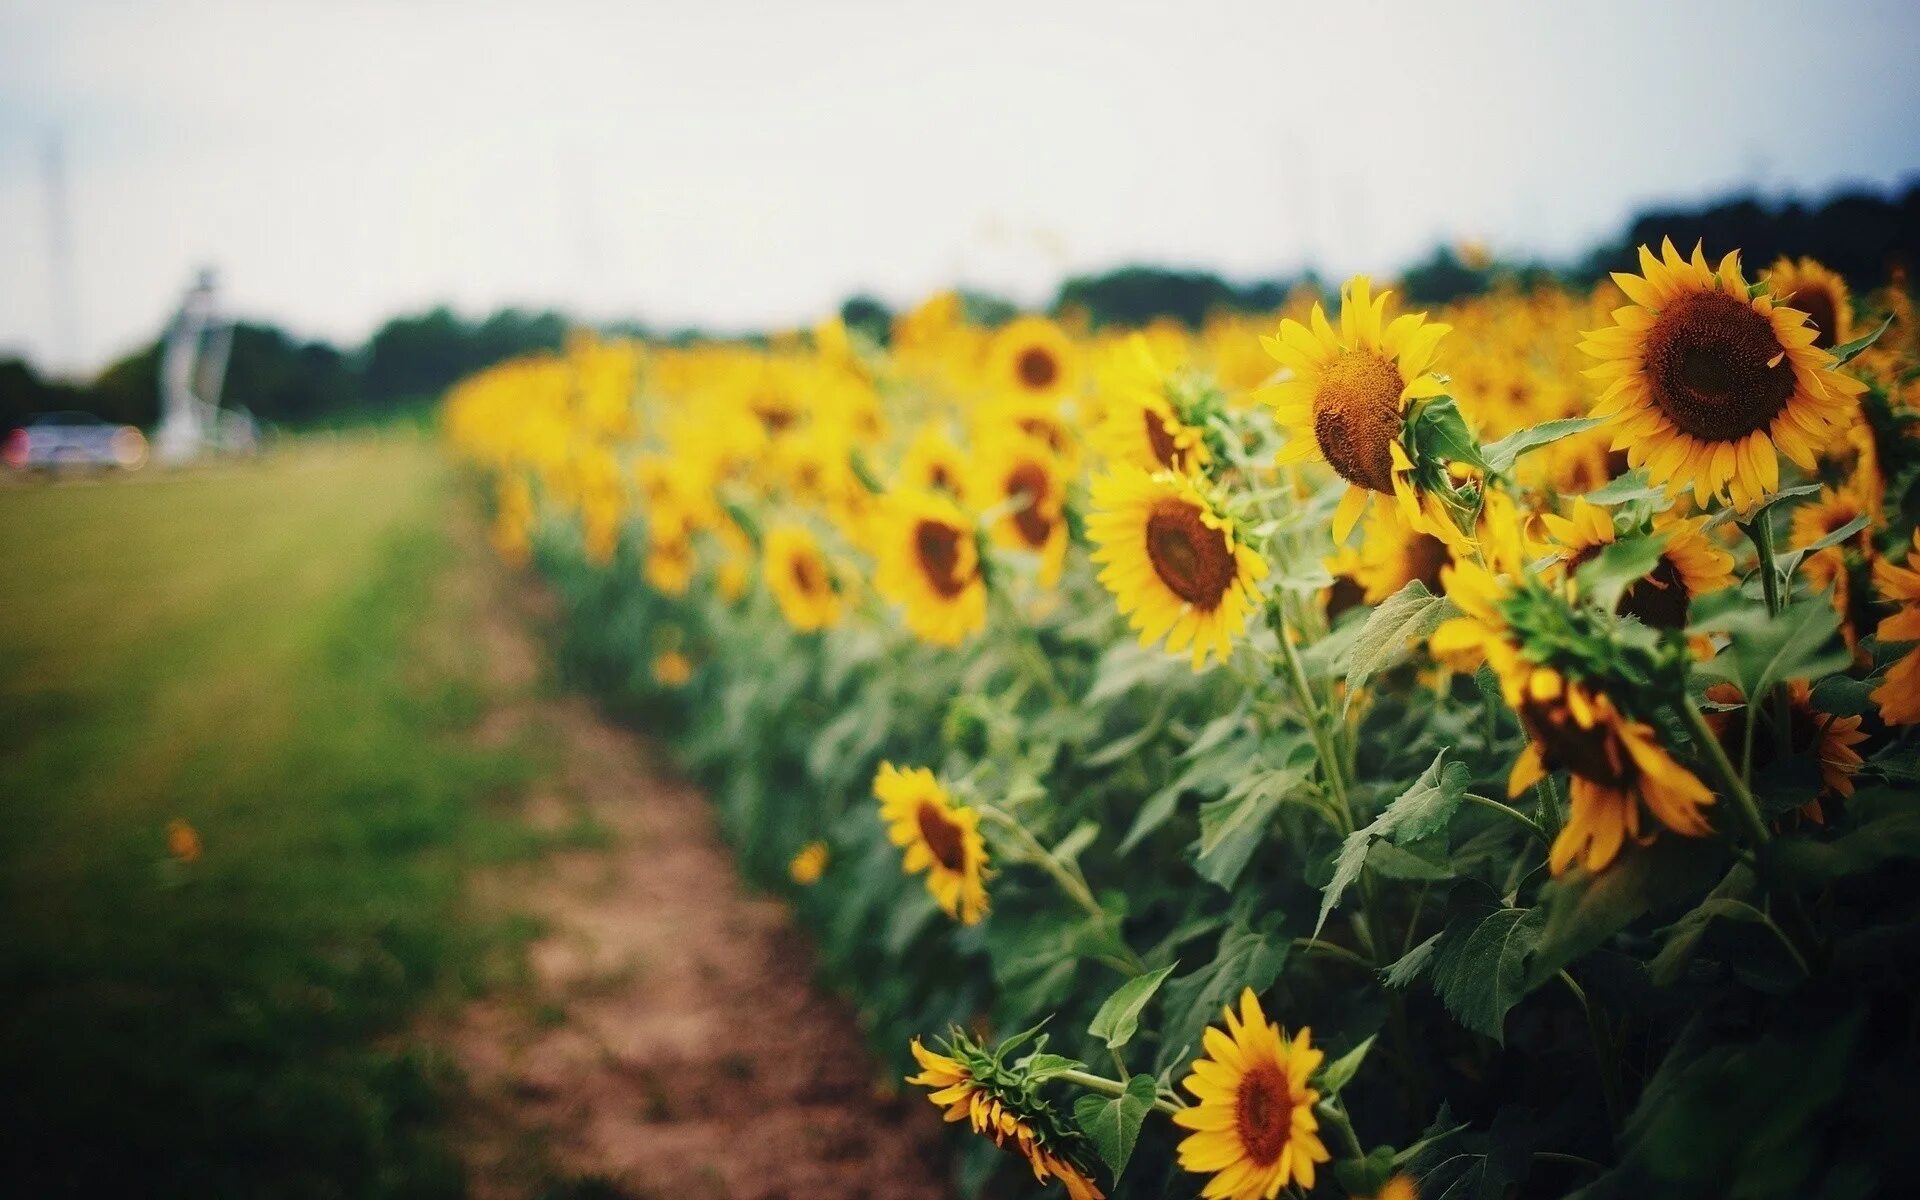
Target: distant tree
<point>129,389</point>
<point>1443,278</point>
<point>24,395</point>
<point>1135,295</point>
<point>423,354</point>
<point>864,314</point>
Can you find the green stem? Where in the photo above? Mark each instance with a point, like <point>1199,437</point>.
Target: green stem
<point>1333,1115</point>
<point>1761,531</point>
<point>1112,1087</point>
<point>1512,814</point>
<point>1602,1051</point>
<point>1746,808</point>
<point>1333,950</point>
<point>1069,882</point>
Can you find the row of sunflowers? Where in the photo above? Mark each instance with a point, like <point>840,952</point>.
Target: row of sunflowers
<point>1349,751</point>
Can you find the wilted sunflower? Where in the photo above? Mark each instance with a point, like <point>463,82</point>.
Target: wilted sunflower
<point>1899,693</point>
<point>1254,1127</point>
<point>1022,477</point>
<point>1143,426</point>
<point>1704,383</point>
<point>1346,403</point>
<point>1830,739</point>
<point>1032,358</point>
<point>939,837</point>
<point>985,1096</point>
<point>1616,763</point>
<point>1175,563</point>
<point>1690,565</point>
<point>1818,292</point>
<point>929,564</point>
<point>804,583</point>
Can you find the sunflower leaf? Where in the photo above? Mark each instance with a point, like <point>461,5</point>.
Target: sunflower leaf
<point>1479,965</point>
<point>1340,1071</point>
<point>1232,827</point>
<point>1113,1122</point>
<point>1501,455</point>
<point>1801,643</point>
<point>1851,350</point>
<point>1413,964</point>
<point>1437,432</point>
<point>1119,1017</point>
<point>1411,613</point>
<point>1788,561</point>
<point>1606,576</point>
<point>1246,958</point>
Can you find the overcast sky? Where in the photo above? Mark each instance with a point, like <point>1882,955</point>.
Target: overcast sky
<point>748,164</point>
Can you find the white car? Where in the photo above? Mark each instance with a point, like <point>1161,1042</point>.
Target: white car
<point>74,439</point>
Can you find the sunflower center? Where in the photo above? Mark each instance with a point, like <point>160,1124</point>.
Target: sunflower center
<point>1822,312</point>
<point>1716,369</point>
<point>941,478</point>
<point>1049,431</point>
<point>937,544</point>
<point>1263,1112</point>
<point>1426,555</point>
<point>944,839</point>
<point>1037,367</point>
<point>1165,452</point>
<point>1356,417</point>
<point>808,574</point>
<point>1194,561</point>
<point>1660,598</point>
<point>1028,485</point>
<point>1588,753</point>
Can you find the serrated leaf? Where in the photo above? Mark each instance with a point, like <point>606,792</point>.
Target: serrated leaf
<point>1420,811</point>
<point>1479,966</point>
<point>1410,613</point>
<point>1347,866</point>
<point>1119,1017</point>
<point>1245,959</point>
<point>1340,1072</point>
<point>1113,1122</point>
<point>1501,455</point>
<point>1413,964</point>
<point>1233,827</point>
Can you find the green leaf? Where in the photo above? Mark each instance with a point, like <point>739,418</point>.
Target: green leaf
<point>1606,576</point>
<point>1245,959</point>
<point>1685,937</point>
<point>1041,1066</point>
<point>1437,430</point>
<point>1340,1072</point>
<point>1501,455</point>
<point>1846,353</point>
<point>1232,827</point>
<point>1801,643</point>
<point>1347,866</point>
<point>1113,1122</point>
<point>1119,1017</point>
<point>1420,811</point>
<point>1584,910</point>
<point>1625,489</point>
<point>1413,964</point>
<point>1479,966</point>
<point>1889,831</point>
<point>1410,613</point>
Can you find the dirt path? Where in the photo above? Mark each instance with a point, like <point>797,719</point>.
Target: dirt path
<point>670,1043</point>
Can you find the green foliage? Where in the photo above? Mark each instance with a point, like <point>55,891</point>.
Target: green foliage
<point>1119,1017</point>
<point>1113,1122</point>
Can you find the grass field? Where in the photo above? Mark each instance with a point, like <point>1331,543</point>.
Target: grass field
<point>264,651</point>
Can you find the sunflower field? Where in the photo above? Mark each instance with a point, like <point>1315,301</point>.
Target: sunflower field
<point>1349,752</point>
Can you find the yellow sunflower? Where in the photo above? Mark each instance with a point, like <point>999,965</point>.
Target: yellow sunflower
<point>1704,383</point>
<point>1832,510</point>
<point>1830,739</point>
<point>1022,477</point>
<point>1899,693</point>
<point>1346,402</point>
<point>1811,288</point>
<point>1616,764</point>
<point>670,558</point>
<point>1254,1129</point>
<point>804,584</point>
<point>1175,563</point>
<point>809,864</point>
<point>929,564</point>
<point>1032,358</point>
<point>939,837</point>
<point>962,1097</point>
<point>1392,555</point>
<point>1141,425</point>
<point>933,464</point>
<point>1690,564</point>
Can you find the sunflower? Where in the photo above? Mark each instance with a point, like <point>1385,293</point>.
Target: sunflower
<point>1899,693</point>
<point>1254,1127</point>
<point>1690,565</point>
<point>1829,512</point>
<point>1143,425</point>
<point>929,563</point>
<point>1818,292</point>
<point>940,838</point>
<point>1174,562</point>
<point>672,669</point>
<point>979,1097</point>
<point>1616,763</point>
<point>670,558</point>
<point>933,464</point>
<point>1392,555</point>
<point>809,864</point>
<point>183,841</point>
<point>1032,358</point>
<point>1346,402</point>
<point>1022,477</point>
<point>804,584</point>
<point>1704,383</point>
<point>1830,739</point>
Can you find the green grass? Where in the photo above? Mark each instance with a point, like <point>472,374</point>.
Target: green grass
<point>264,650</point>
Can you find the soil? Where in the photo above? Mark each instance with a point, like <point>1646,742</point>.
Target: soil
<point>669,1042</point>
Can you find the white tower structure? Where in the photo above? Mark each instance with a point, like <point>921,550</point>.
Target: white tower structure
<point>193,365</point>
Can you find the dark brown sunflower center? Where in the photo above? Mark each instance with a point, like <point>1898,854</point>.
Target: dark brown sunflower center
<point>809,575</point>
<point>1194,561</point>
<point>1822,309</point>
<point>1165,452</point>
<point>937,545</point>
<point>1048,431</point>
<point>1356,417</point>
<point>1345,593</point>
<point>1660,599</point>
<point>1588,753</point>
<point>774,412</point>
<point>1715,367</point>
<point>1426,555</point>
<point>941,478</point>
<point>1037,367</point>
<point>1263,1113</point>
<point>1028,486</point>
<point>945,840</point>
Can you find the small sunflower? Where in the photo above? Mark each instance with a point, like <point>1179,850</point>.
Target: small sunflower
<point>1899,693</point>
<point>804,583</point>
<point>1347,401</point>
<point>940,838</point>
<point>1254,1129</point>
<point>933,464</point>
<point>809,864</point>
<point>1616,763</point>
<point>1391,555</point>
<point>1690,565</point>
<point>1706,382</point>
<point>929,564</point>
<point>1022,477</point>
<point>1830,739</point>
<point>1811,288</point>
<point>970,1085</point>
<point>1032,358</point>
<point>1175,563</point>
<point>670,557</point>
<point>672,669</point>
<point>1144,425</point>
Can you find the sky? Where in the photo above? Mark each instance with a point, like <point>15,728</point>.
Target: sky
<point>743,165</point>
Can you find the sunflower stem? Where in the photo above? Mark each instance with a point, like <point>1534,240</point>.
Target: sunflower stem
<point>1745,807</point>
<point>1112,1087</point>
<point>1332,950</point>
<point>1761,531</point>
<point>1512,814</point>
<point>1334,1115</point>
<point>1602,1051</point>
<point>1070,882</point>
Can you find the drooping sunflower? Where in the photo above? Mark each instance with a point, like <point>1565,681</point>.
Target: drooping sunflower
<point>1346,402</point>
<point>1899,693</point>
<point>939,837</point>
<point>1032,358</point>
<point>1705,383</point>
<point>977,1092</point>
<point>1830,739</point>
<point>1176,564</point>
<point>1690,564</point>
<point>1254,1129</point>
<point>805,585</point>
<point>1143,425</point>
<point>1021,477</point>
<point>1818,292</point>
<point>1617,765</point>
<point>929,564</point>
